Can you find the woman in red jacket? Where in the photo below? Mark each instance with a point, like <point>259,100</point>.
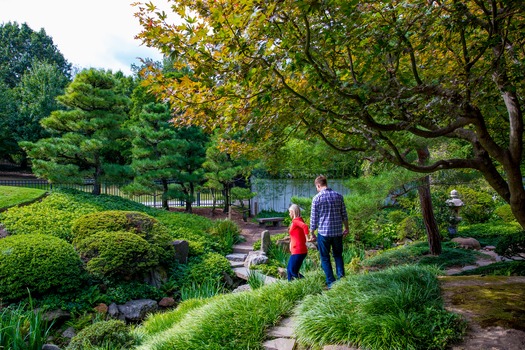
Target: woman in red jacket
<point>298,234</point>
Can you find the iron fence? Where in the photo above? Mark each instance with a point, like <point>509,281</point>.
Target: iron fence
<point>203,198</point>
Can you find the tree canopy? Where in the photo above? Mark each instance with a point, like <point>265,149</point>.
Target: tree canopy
<point>86,136</point>
<point>394,77</point>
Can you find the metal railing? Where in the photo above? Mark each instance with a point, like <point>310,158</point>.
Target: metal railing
<point>203,198</point>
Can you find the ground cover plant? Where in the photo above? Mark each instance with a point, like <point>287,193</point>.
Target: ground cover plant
<point>396,308</point>
<point>11,196</point>
<point>231,321</point>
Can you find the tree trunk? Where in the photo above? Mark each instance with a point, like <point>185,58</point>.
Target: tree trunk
<point>427,210</point>
<point>165,204</point>
<point>189,199</point>
<point>97,187</point>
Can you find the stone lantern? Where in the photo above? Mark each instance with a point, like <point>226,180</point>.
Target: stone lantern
<point>454,203</point>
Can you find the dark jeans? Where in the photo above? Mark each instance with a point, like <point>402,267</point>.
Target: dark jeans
<point>324,244</point>
<point>294,265</point>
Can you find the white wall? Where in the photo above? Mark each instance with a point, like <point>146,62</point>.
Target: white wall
<point>276,194</point>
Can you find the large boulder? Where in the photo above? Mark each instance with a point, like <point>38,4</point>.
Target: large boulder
<point>467,243</point>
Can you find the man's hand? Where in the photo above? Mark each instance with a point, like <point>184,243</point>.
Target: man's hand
<point>345,232</point>
<point>311,237</point>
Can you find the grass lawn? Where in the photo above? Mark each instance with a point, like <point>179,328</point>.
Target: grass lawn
<point>11,196</point>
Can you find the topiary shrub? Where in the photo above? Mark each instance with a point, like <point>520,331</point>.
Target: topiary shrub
<point>140,224</point>
<point>40,263</point>
<point>116,254</point>
<point>112,334</point>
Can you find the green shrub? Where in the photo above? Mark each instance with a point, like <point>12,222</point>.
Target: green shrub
<point>40,263</point>
<point>512,246</point>
<point>505,213</point>
<point>409,228</point>
<point>116,254</point>
<point>112,334</point>
<point>396,216</point>
<point>226,234</point>
<point>52,216</point>
<point>11,196</point>
<point>143,225</point>
<point>478,207</point>
<point>212,266</point>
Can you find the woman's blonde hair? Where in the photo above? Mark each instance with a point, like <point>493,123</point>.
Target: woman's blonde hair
<point>294,208</point>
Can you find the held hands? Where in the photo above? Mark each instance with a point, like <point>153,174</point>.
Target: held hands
<point>311,237</point>
<point>345,232</point>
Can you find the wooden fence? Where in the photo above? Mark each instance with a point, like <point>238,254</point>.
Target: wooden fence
<point>203,198</point>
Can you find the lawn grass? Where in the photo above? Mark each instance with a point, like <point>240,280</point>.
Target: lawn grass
<point>11,196</point>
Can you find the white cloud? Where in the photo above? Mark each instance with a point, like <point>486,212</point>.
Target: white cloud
<point>93,33</point>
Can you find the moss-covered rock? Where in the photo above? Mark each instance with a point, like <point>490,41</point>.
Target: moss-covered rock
<point>38,263</point>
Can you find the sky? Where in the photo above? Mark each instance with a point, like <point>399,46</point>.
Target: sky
<point>89,33</point>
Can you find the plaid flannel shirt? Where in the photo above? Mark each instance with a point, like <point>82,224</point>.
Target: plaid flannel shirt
<point>328,213</point>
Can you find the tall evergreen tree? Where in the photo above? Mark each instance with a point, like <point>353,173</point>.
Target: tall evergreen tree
<point>154,152</point>
<point>86,145</point>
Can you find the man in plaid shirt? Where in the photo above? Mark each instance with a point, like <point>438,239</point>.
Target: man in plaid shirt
<point>329,216</point>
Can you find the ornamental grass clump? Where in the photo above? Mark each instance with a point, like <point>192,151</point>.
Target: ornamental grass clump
<point>397,308</point>
<point>232,321</point>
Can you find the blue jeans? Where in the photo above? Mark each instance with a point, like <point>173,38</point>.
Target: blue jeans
<point>324,244</point>
<point>294,265</point>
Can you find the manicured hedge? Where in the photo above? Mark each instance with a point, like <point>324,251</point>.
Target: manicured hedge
<point>38,263</point>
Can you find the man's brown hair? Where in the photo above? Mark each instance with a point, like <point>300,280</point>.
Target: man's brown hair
<point>321,181</point>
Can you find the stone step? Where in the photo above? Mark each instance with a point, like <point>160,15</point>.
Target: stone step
<point>242,248</point>
<point>236,257</point>
<point>244,273</point>
<point>280,344</point>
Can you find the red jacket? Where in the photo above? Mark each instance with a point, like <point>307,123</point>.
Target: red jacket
<point>298,234</point>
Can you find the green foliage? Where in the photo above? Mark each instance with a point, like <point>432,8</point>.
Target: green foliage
<point>226,234</point>
<point>201,290</point>
<point>121,292</point>
<point>118,254</point>
<point>512,246</point>
<point>230,321</point>
<point>419,253</point>
<point>23,328</point>
<point>156,323</point>
<point>12,196</point>
<point>211,266</point>
<point>52,216</point>
<point>147,227</point>
<point>398,308</point>
<point>478,206</point>
<point>113,334</point>
<point>489,233</point>
<point>86,137</point>
<point>409,228</point>
<point>38,264</point>
<point>255,279</point>
<point>505,213</point>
